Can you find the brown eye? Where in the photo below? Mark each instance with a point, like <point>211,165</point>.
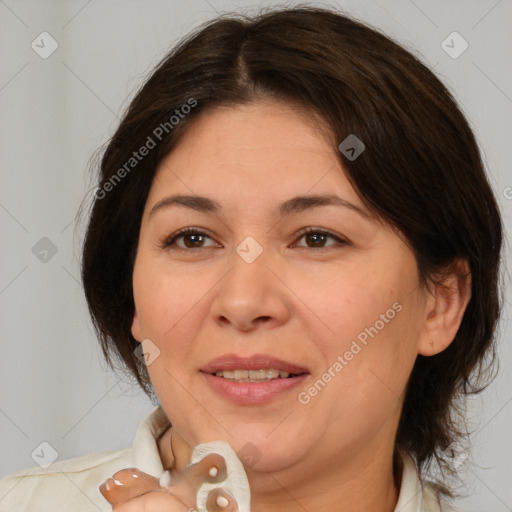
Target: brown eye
<point>192,239</point>
<point>317,238</point>
<point>195,239</point>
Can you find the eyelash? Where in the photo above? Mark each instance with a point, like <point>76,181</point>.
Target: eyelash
<point>171,240</point>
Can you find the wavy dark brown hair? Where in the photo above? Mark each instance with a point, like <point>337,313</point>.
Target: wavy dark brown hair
<point>421,173</point>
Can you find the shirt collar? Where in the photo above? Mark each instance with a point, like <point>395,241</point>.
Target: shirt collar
<point>411,491</point>
<point>145,452</point>
<point>146,457</point>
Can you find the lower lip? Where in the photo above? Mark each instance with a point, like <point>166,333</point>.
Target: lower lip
<point>250,393</point>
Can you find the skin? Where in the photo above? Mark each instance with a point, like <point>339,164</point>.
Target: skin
<point>297,301</point>
<point>129,488</point>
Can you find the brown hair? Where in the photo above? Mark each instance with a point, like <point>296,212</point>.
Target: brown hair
<point>421,172</point>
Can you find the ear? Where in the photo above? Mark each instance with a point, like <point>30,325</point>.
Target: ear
<point>136,330</point>
<point>445,307</point>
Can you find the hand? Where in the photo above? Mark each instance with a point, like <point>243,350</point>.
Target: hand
<point>142,492</point>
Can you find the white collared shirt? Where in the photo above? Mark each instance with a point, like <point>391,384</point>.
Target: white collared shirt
<point>72,484</point>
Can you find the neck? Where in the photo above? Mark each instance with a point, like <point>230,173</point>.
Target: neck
<point>365,480</point>
<point>356,485</point>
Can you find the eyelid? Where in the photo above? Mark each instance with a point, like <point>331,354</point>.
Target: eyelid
<point>169,241</point>
<point>339,239</point>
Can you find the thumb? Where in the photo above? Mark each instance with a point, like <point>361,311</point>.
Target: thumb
<point>127,484</point>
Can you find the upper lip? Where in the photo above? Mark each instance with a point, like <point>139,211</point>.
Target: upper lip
<point>254,362</point>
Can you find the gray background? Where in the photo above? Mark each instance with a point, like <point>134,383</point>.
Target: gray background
<point>57,111</point>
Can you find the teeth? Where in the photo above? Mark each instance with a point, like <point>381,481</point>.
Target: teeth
<point>241,374</point>
<point>252,375</point>
<point>272,374</point>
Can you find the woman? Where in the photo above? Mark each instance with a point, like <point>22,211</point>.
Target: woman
<point>295,249</point>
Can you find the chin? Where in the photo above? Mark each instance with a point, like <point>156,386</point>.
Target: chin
<point>266,453</point>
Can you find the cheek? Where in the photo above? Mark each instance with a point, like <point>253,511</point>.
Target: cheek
<point>168,304</point>
<point>372,325</point>
<point>348,301</point>
<point>163,297</point>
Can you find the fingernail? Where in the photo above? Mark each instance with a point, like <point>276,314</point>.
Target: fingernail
<point>107,484</point>
<point>117,482</point>
<point>222,501</point>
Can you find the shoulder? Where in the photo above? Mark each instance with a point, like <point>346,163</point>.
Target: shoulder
<point>71,483</point>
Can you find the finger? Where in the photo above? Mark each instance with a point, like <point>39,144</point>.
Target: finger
<point>130,483</point>
<point>127,484</point>
<point>160,500</point>
<point>211,469</point>
<point>221,500</point>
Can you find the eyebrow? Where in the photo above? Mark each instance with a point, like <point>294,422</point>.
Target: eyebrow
<point>294,205</point>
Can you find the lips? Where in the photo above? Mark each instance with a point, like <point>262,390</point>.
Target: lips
<point>249,391</point>
<point>232,362</point>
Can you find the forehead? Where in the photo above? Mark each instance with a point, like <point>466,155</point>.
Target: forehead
<point>265,118</point>
<point>267,148</point>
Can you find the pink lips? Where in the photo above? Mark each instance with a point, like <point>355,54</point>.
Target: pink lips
<point>252,393</point>
<point>254,362</point>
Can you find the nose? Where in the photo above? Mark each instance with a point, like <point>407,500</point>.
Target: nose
<point>251,295</point>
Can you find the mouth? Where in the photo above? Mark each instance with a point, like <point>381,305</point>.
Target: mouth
<point>252,380</point>
<point>261,375</point>
<point>258,367</point>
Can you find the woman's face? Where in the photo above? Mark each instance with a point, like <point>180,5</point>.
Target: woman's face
<point>341,306</point>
